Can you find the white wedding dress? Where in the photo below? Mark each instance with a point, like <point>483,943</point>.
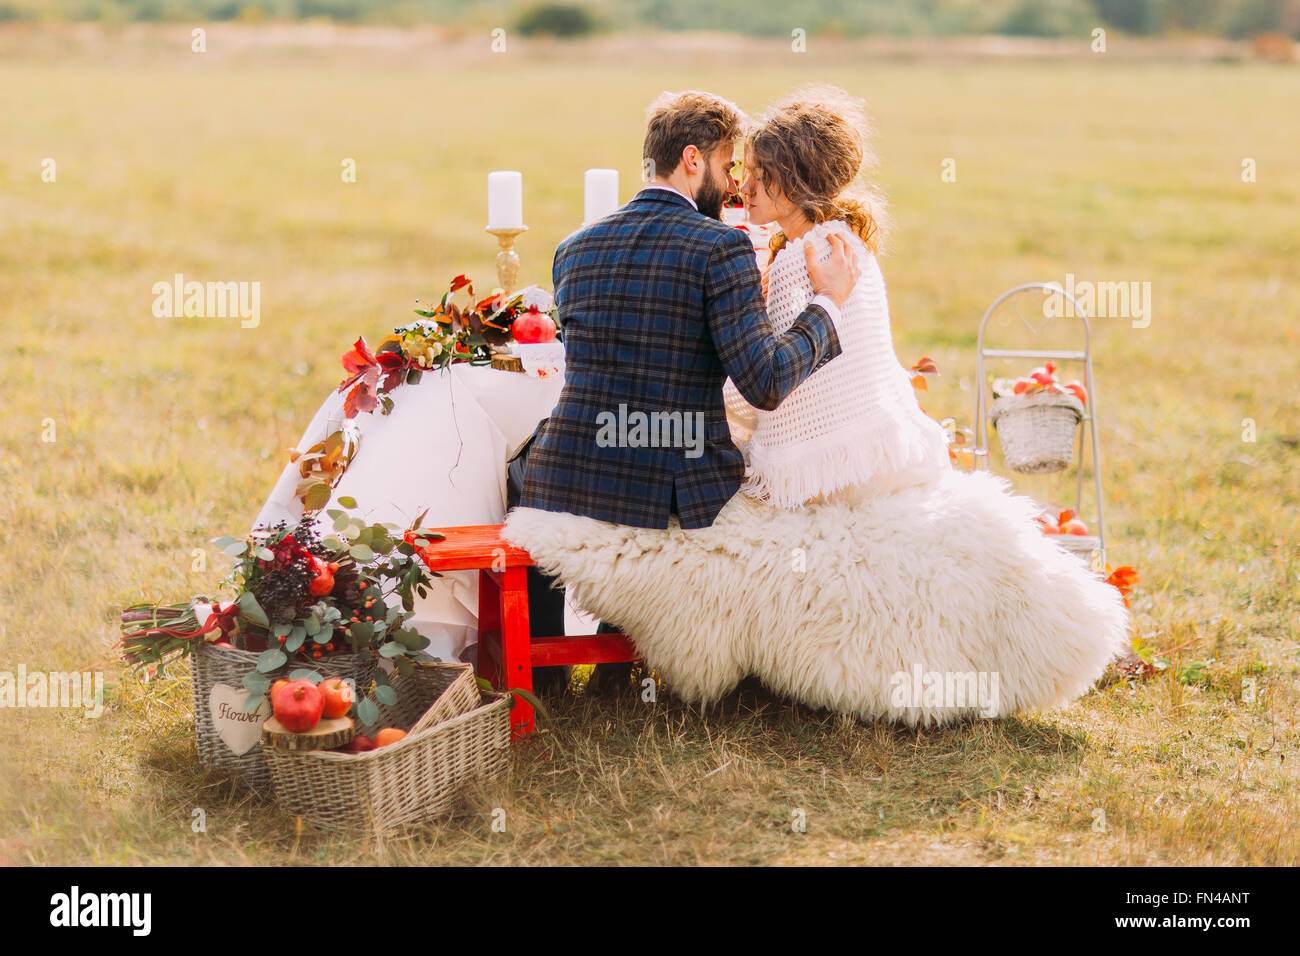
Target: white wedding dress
<point>856,569</point>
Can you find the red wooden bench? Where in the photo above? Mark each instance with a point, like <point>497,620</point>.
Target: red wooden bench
<point>506,654</point>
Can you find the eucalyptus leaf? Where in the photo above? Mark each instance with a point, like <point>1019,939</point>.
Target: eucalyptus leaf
<point>410,639</point>
<point>391,649</point>
<point>295,640</point>
<point>312,624</point>
<point>250,609</point>
<point>271,659</point>
<point>367,712</point>
<point>235,550</point>
<point>253,701</point>
<point>362,553</point>
<point>347,501</point>
<point>305,673</point>
<point>386,695</point>
<point>256,682</point>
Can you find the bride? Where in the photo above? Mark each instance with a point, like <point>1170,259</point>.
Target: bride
<point>853,429</point>
<point>855,570</point>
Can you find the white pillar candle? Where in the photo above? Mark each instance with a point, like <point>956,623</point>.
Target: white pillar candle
<point>505,199</point>
<point>599,194</point>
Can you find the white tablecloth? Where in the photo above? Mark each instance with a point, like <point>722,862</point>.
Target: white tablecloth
<point>443,448</point>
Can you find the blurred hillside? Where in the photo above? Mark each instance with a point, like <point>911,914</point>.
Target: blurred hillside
<point>1230,18</point>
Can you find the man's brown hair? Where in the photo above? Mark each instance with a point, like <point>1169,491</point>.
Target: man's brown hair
<point>677,120</point>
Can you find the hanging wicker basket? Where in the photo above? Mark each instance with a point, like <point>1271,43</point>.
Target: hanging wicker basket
<point>455,738</point>
<point>228,737</point>
<point>1037,431</point>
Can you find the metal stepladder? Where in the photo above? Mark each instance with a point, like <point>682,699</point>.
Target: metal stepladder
<point>1092,545</point>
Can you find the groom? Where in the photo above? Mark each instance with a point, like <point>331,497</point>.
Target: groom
<point>659,303</point>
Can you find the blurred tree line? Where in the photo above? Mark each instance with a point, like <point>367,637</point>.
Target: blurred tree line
<point>1232,18</point>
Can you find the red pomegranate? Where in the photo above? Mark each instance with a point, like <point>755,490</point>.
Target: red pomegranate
<point>532,327</point>
<point>298,706</point>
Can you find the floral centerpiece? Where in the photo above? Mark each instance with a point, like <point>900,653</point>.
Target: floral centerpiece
<point>298,600</point>
<point>450,333</point>
<point>444,335</point>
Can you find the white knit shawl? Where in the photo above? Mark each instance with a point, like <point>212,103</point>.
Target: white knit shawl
<point>853,425</point>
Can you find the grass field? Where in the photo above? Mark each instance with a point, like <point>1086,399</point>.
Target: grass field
<point>169,432</point>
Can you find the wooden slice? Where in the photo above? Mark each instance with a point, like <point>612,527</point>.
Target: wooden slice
<point>507,363</point>
<point>327,735</point>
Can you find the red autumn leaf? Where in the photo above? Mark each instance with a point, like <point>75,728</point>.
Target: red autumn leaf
<point>461,282</point>
<point>455,319</point>
<point>356,362</point>
<point>925,366</point>
<point>918,381</point>
<point>363,397</point>
<point>394,366</point>
<point>491,304</point>
<point>1123,578</point>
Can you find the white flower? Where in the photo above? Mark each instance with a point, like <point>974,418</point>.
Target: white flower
<point>536,297</point>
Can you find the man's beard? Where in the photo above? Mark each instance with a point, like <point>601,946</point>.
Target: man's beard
<point>712,194</point>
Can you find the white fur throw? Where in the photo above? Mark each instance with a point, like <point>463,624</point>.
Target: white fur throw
<point>897,608</point>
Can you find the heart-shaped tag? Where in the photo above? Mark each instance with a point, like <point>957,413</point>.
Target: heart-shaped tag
<point>238,729</point>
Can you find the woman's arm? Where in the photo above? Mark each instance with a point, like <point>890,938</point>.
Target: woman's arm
<point>741,416</point>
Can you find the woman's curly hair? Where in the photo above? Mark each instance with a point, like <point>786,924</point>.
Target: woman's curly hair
<point>812,147</point>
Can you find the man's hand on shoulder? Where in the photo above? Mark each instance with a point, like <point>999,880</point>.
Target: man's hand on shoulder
<point>837,276</point>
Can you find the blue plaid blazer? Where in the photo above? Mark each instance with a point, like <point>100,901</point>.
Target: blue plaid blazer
<point>659,304</point>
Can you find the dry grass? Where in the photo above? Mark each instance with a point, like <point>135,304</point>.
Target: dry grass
<point>169,432</point>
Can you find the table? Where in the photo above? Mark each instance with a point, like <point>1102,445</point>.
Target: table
<point>443,448</point>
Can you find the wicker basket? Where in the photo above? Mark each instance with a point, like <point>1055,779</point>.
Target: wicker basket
<point>228,666</point>
<point>457,739</point>
<point>1037,431</point>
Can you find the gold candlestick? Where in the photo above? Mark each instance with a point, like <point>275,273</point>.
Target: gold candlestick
<point>507,258</point>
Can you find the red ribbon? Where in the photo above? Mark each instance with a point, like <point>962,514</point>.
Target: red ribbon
<point>223,619</point>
